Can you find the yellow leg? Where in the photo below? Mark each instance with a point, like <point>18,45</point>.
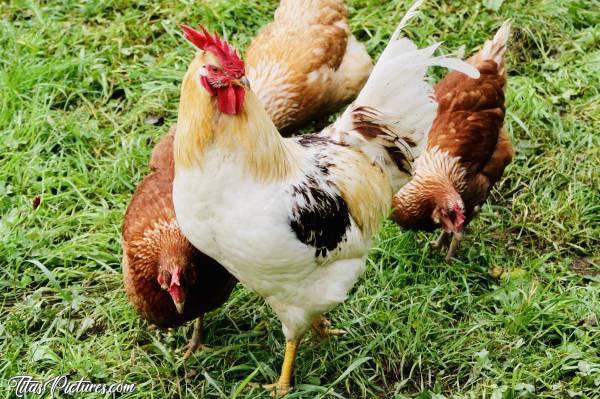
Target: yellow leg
<point>287,369</point>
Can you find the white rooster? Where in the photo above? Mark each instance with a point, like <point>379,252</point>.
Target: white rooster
<point>293,219</point>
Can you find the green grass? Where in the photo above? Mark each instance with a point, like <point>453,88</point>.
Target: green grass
<point>79,79</point>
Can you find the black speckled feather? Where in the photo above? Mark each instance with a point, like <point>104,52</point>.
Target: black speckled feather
<point>321,217</point>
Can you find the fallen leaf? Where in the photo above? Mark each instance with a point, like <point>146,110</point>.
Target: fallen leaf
<point>590,321</point>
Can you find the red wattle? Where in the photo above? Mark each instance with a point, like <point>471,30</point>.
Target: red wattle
<point>230,99</point>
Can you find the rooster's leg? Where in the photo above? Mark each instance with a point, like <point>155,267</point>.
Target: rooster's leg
<point>283,386</point>
<point>322,329</point>
<point>442,241</point>
<point>453,246</point>
<point>196,342</point>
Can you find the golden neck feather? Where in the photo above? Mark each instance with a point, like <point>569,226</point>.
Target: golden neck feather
<point>194,121</point>
<point>251,133</point>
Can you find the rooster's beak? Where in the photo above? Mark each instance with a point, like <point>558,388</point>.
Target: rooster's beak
<point>244,82</point>
<point>179,306</point>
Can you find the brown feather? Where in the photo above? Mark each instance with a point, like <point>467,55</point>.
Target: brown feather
<point>162,154</point>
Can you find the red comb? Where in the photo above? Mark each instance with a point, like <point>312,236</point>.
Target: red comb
<point>225,53</point>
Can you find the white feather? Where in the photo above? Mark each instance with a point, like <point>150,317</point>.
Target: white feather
<point>400,91</point>
<point>494,49</point>
<point>412,11</point>
<point>457,65</point>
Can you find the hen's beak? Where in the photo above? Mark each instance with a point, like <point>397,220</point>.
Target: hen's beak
<point>179,306</point>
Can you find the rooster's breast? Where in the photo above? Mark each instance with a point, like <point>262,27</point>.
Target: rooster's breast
<point>241,223</point>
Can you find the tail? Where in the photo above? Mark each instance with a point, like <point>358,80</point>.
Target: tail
<point>494,49</point>
<point>396,108</point>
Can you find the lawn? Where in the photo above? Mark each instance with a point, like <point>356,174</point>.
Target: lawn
<point>87,88</point>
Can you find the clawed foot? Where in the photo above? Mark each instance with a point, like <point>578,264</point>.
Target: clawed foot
<point>442,241</point>
<point>192,347</point>
<point>276,390</point>
<point>449,258</point>
<point>456,239</point>
<point>321,328</point>
<point>283,386</point>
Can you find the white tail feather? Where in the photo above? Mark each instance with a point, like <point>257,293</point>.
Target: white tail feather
<point>401,96</point>
<point>494,49</point>
<point>457,65</point>
<point>412,11</point>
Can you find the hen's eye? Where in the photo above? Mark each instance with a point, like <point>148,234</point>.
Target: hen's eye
<point>451,213</point>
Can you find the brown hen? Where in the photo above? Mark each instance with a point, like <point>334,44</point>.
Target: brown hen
<point>167,280</point>
<point>306,63</point>
<point>467,150</point>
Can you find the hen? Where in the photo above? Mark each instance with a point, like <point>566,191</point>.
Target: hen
<point>167,280</point>
<point>467,149</point>
<point>306,63</point>
<point>293,219</point>
<point>299,73</point>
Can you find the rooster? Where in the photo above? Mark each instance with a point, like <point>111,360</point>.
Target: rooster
<point>293,219</point>
<point>296,81</point>
<point>306,62</point>
<point>467,149</point>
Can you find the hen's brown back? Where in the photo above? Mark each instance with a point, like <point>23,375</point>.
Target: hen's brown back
<point>470,116</point>
<point>301,65</point>
<point>469,126</point>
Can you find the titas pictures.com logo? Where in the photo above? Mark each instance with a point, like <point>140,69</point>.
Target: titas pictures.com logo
<point>25,384</point>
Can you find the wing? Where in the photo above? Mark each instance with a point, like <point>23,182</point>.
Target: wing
<point>338,206</point>
<point>151,202</point>
<point>502,156</point>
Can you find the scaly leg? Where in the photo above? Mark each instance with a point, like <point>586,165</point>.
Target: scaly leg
<point>453,246</point>
<point>321,328</point>
<point>442,241</point>
<point>196,342</point>
<point>283,386</point>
